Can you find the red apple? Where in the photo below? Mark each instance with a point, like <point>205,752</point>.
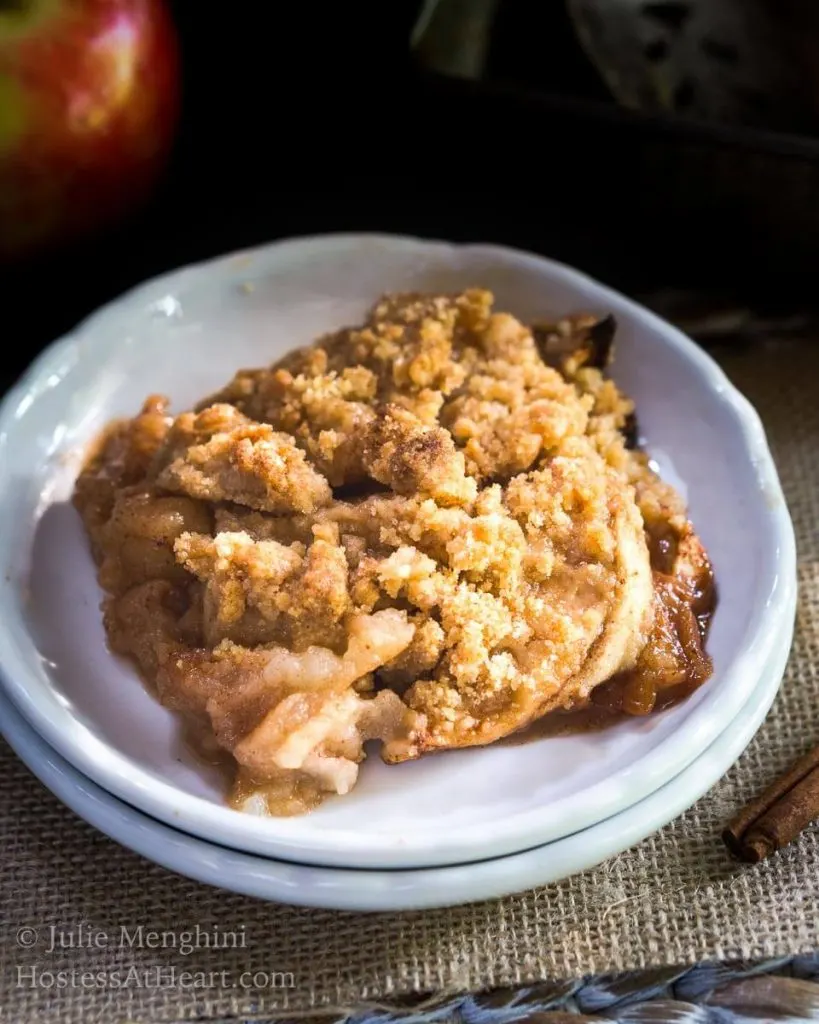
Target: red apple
<point>89,93</point>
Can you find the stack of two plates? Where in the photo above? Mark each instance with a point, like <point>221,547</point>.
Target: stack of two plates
<point>448,829</point>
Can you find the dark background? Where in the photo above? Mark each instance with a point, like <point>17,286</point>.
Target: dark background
<point>316,119</point>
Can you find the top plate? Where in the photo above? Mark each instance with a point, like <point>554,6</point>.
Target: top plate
<point>183,335</point>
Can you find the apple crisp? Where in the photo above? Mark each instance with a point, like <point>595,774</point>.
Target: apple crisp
<point>428,531</point>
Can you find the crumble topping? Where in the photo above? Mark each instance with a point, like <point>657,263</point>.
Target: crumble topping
<point>428,531</point>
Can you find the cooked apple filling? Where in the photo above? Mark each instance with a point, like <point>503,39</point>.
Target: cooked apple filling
<point>429,530</point>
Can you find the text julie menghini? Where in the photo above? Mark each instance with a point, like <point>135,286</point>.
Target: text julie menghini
<point>54,939</point>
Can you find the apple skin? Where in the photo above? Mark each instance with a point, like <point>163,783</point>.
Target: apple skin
<point>89,102</point>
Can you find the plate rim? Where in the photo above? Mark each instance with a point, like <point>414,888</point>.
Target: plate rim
<point>197,813</point>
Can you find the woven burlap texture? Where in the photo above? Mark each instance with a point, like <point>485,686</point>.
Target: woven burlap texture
<point>675,898</point>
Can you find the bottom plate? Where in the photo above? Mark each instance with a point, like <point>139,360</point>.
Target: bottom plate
<point>369,890</point>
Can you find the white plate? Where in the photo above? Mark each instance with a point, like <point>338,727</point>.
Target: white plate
<point>340,889</point>
<point>185,334</point>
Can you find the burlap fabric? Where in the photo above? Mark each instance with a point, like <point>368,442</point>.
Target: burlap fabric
<point>676,898</point>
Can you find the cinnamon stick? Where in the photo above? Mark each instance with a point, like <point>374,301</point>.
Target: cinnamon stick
<point>779,814</point>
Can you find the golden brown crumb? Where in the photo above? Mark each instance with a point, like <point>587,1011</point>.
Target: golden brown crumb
<point>251,465</point>
<point>398,450</point>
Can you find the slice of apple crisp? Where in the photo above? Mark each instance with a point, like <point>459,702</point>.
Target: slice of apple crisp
<point>426,531</point>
